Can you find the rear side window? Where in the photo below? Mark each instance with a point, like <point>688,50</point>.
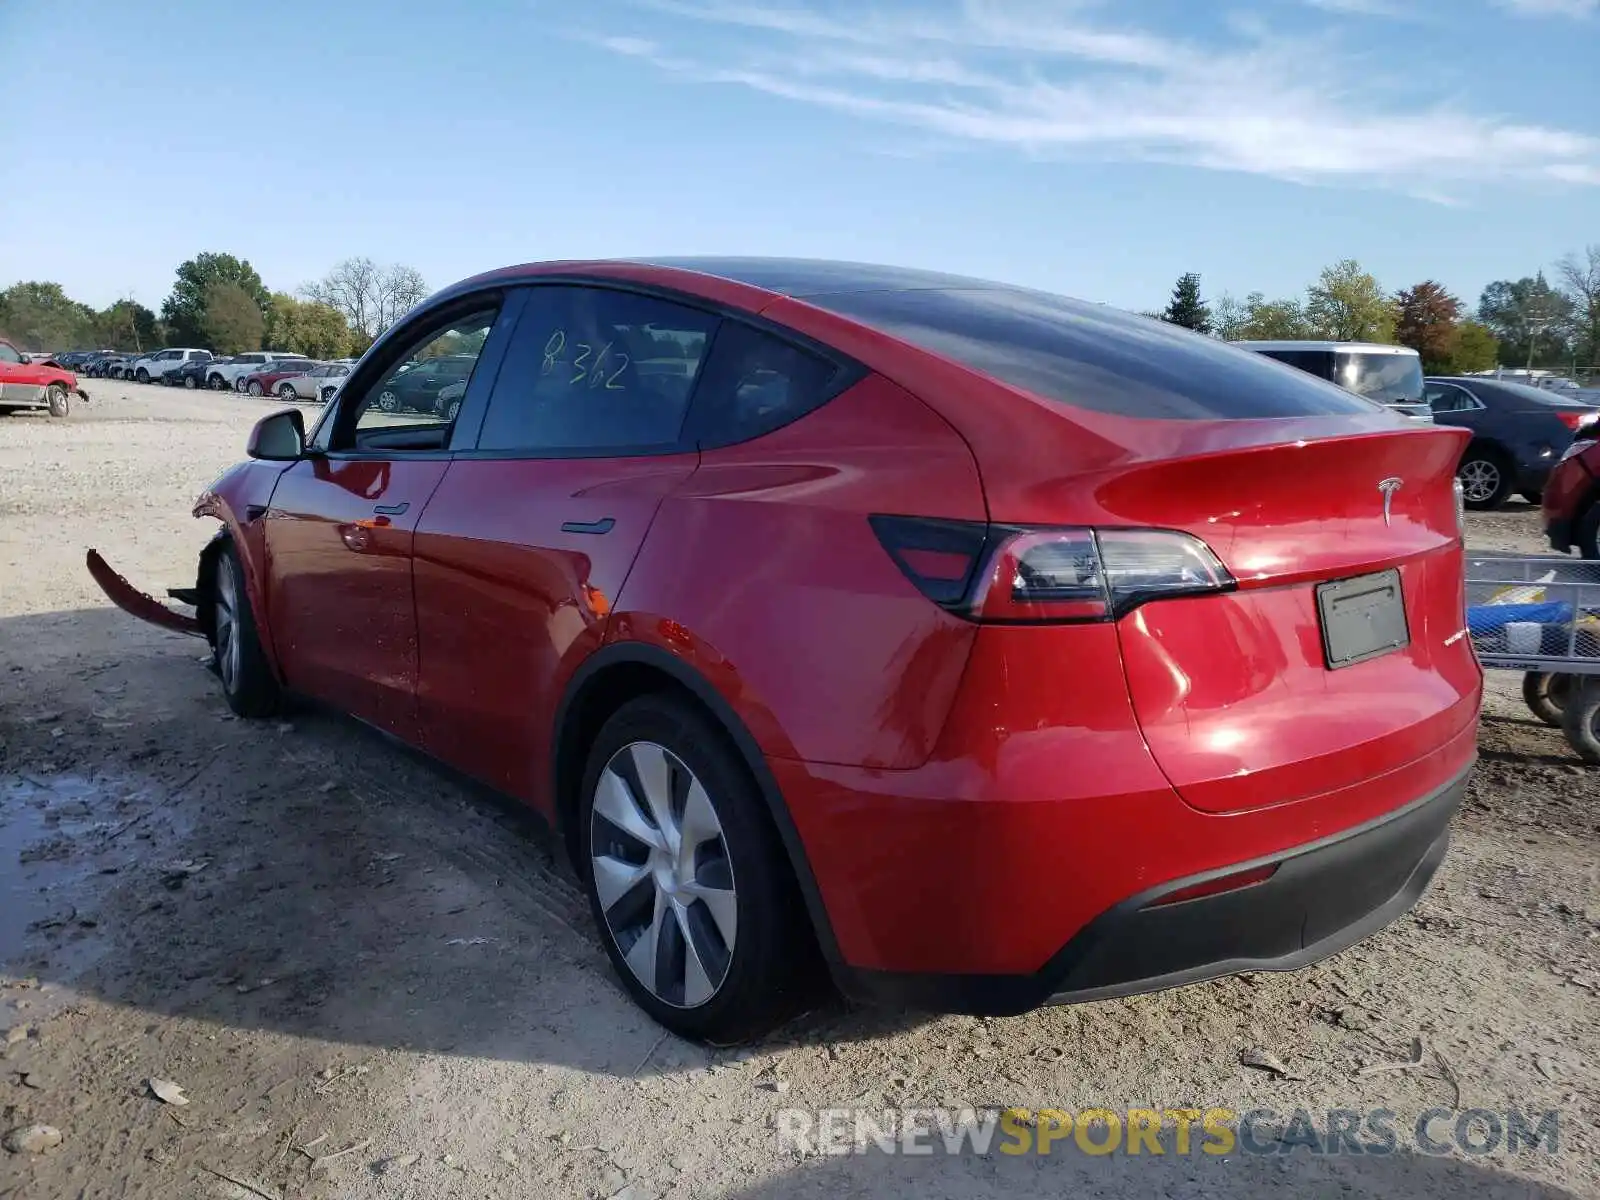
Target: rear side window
<point>756,383</point>
<point>595,371</point>
<point>1092,356</point>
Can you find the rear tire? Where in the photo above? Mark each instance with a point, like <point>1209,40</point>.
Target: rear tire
<point>287,394</point>
<point>738,992</point>
<point>141,376</point>
<point>253,388</point>
<point>248,683</point>
<point>58,399</point>
<point>189,383</point>
<point>1546,694</point>
<point>1485,478</point>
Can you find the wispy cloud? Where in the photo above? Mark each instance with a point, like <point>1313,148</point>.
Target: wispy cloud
<point>1362,8</point>
<point>1553,8</point>
<point>1049,77</point>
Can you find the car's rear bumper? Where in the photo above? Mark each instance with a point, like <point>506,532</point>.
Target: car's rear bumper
<point>1322,898</point>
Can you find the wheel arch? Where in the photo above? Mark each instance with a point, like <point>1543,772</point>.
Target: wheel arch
<point>617,673</point>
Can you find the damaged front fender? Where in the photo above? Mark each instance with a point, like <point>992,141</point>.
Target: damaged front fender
<point>136,603</point>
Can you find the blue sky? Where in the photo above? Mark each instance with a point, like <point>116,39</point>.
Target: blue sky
<point>1092,147</point>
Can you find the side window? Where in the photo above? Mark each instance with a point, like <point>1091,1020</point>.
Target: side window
<point>407,395</point>
<point>1442,397</point>
<point>594,371</point>
<point>8,354</point>
<point>756,383</point>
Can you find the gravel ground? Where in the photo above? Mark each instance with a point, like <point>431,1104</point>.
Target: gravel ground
<point>372,981</point>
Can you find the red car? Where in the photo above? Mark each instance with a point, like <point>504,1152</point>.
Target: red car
<point>265,380</point>
<point>25,383</point>
<point>1571,514</point>
<point>1001,648</point>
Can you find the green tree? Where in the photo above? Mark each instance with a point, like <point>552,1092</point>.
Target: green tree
<point>1186,308</point>
<point>1347,305</point>
<point>184,311</point>
<point>306,327</point>
<point>1228,317</point>
<point>128,325</point>
<point>40,316</point>
<point>1272,320</point>
<point>1428,320</point>
<point>1529,318</point>
<point>1475,349</point>
<point>231,320</point>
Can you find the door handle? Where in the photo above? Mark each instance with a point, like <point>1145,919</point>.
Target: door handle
<point>603,525</point>
<point>391,510</point>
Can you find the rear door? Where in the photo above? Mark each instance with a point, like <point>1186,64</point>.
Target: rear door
<point>1454,405</point>
<point>339,538</point>
<point>525,545</point>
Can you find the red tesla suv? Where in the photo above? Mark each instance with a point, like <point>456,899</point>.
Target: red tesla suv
<point>1001,648</point>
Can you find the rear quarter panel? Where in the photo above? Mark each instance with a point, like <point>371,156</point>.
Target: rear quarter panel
<point>762,572</point>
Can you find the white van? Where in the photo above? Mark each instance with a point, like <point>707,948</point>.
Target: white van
<point>1389,375</point>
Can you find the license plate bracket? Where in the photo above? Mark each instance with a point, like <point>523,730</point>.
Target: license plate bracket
<point>1362,618</point>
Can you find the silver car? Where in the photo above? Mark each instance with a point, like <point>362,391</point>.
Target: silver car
<point>318,384</point>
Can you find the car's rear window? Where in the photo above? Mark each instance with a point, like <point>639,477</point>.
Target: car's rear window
<point>1091,355</point>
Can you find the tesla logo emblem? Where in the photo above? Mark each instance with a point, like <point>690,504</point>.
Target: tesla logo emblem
<point>1389,487</point>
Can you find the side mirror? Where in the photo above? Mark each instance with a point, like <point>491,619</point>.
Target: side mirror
<point>280,437</point>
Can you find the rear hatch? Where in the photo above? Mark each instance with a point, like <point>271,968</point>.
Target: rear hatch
<point>1341,654</point>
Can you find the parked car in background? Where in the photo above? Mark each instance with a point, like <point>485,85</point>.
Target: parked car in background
<point>120,365</point>
<point>1571,503</point>
<point>151,366</point>
<point>226,376</point>
<point>319,383</point>
<point>25,383</point>
<point>73,360</point>
<point>1388,375</point>
<point>416,385</point>
<point>264,379</point>
<point>1518,434</point>
<point>990,647</point>
<point>448,403</point>
<point>94,365</point>
<point>190,374</point>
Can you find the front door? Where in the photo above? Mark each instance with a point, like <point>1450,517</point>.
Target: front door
<point>523,550</point>
<point>339,535</point>
<point>20,382</point>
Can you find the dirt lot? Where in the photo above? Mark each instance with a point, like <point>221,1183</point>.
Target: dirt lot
<point>374,982</point>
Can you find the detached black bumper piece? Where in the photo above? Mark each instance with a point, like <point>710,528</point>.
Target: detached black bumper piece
<point>1321,899</point>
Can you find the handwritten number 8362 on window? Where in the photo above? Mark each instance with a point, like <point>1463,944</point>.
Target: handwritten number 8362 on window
<point>589,366</point>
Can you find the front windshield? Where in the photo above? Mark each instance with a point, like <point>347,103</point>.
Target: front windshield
<point>1385,378</point>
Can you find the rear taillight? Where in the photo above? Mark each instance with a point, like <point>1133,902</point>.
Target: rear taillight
<point>1575,419</point>
<point>1007,574</point>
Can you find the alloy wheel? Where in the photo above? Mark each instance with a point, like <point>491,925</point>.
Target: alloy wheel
<point>1480,480</point>
<point>226,624</point>
<point>388,401</point>
<point>662,874</point>
<point>286,392</point>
